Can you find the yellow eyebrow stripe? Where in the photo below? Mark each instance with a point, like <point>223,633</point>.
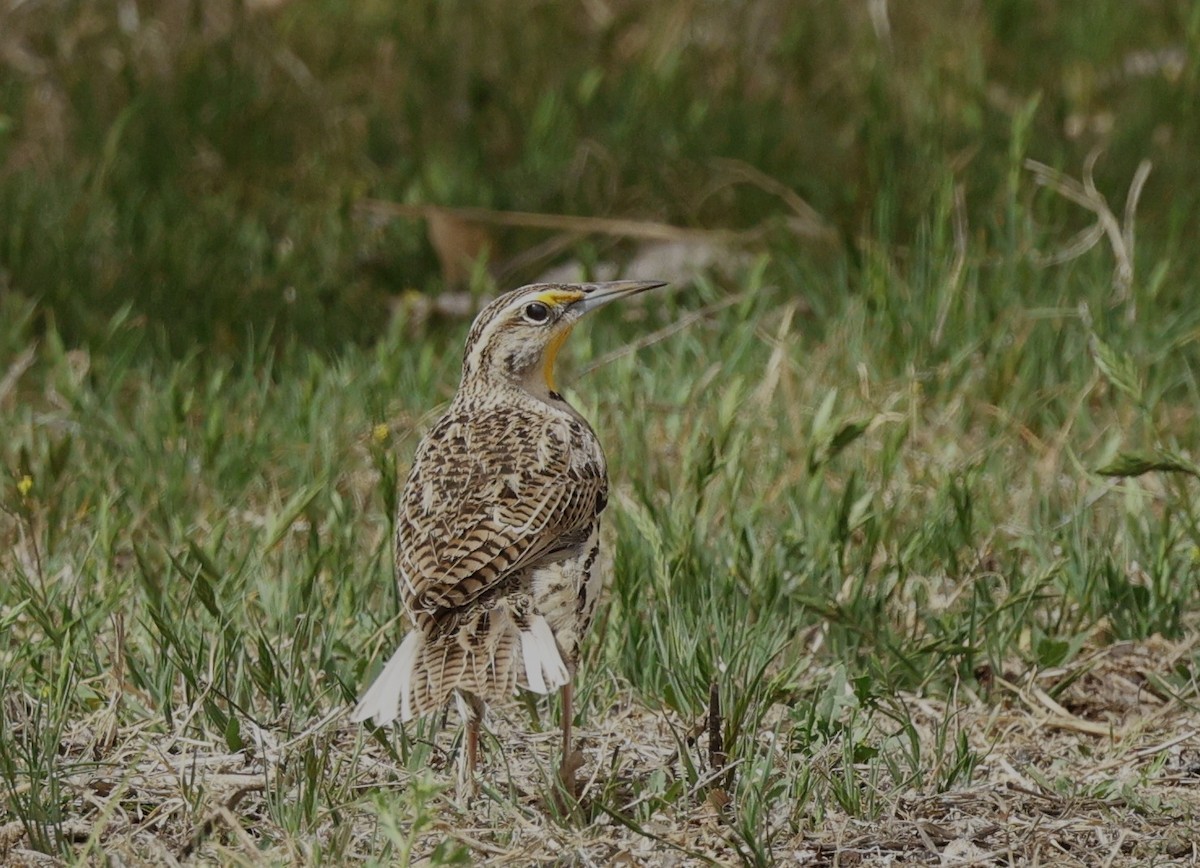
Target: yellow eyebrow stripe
<point>558,297</point>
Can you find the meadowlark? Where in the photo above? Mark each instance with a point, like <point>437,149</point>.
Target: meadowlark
<point>498,525</point>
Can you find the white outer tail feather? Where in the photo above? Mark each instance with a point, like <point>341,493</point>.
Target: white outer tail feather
<point>391,693</point>
<point>544,667</point>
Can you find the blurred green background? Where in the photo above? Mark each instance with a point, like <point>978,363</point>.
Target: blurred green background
<point>201,161</point>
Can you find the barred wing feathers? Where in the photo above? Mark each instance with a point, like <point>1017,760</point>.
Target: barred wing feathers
<point>491,493</point>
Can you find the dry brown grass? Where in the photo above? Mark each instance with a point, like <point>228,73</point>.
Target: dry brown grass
<point>1105,773</point>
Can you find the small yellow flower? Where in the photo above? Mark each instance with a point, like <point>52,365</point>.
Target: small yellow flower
<point>25,485</point>
<point>381,432</point>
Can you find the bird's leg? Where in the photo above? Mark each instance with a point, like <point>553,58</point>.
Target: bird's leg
<point>571,759</point>
<point>472,745</point>
<point>471,708</point>
<point>566,720</point>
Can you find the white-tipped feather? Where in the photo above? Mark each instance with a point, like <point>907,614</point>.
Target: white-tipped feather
<point>392,690</point>
<point>544,667</point>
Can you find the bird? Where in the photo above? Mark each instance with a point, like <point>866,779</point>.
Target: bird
<point>497,537</point>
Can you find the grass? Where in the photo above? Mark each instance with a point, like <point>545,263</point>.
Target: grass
<point>907,518</point>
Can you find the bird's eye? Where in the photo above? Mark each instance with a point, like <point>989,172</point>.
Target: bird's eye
<point>535,311</point>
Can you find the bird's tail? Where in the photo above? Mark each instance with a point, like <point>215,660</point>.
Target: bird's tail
<point>488,656</point>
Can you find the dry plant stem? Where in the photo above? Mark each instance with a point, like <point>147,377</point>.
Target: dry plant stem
<point>807,222</point>
<point>645,229</point>
<point>1120,232</point>
<point>544,252</point>
<point>663,333</point>
<point>223,812</point>
<point>19,366</point>
<point>716,743</point>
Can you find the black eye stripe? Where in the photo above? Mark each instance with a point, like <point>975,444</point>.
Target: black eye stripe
<point>535,311</point>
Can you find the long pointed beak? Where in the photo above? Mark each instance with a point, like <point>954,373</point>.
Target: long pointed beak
<point>600,294</point>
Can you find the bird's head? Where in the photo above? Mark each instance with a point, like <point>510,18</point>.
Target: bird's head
<point>517,337</point>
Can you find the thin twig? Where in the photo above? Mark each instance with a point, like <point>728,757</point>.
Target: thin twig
<point>665,332</point>
<point>1145,752</point>
<point>716,744</point>
<point>621,227</point>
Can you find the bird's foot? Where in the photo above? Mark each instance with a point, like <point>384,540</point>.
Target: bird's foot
<point>571,763</point>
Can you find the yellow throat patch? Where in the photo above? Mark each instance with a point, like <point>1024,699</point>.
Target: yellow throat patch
<point>552,349</point>
<point>557,298</point>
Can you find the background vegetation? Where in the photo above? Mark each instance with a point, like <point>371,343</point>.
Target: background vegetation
<point>856,465</point>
